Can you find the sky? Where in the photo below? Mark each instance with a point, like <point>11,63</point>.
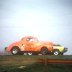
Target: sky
<point>48,20</point>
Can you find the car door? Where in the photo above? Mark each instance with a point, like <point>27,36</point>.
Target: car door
<point>31,44</point>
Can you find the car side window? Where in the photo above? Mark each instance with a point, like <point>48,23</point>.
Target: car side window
<point>30,39</point>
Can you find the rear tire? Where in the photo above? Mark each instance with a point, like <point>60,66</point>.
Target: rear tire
<point>44,51</point>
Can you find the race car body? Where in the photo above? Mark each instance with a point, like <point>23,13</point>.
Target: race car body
<point>30,44</point>
<point>59,50</point>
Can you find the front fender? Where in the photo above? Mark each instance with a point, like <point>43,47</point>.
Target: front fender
<point>8,49</point>
<point>60,48</point>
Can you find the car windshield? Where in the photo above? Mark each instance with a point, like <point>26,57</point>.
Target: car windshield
<point>57,45</point>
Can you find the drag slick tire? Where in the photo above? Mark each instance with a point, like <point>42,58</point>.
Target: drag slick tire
<point>44,51</point>
<point>56,52</point>
<point>15,50</point>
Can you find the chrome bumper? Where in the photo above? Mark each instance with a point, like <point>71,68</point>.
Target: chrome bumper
<point>65,50</point>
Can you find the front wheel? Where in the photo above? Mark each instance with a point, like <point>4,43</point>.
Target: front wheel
<point>56,52</point>
<point>15,50</point>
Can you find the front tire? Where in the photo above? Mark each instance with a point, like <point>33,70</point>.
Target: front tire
<point>15,50</point>
<point>56,52</point>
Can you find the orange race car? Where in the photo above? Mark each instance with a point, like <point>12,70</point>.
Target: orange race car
<point>30,44</point>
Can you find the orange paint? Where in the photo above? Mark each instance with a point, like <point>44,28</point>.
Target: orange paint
<point>30,43</point>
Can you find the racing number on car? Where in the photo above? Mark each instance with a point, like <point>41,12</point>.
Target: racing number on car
<point>22,47</point>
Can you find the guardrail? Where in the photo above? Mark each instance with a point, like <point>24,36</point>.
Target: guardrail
<point>25,60</point>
